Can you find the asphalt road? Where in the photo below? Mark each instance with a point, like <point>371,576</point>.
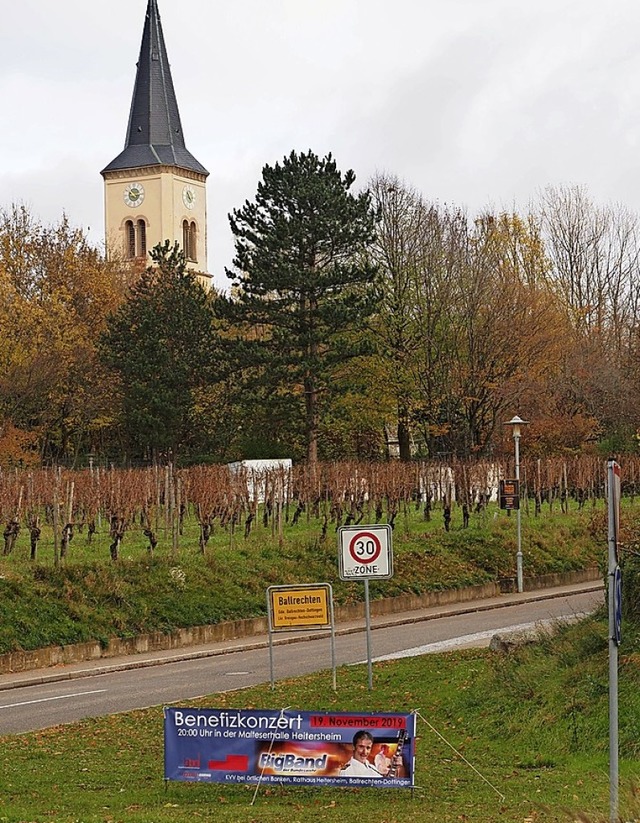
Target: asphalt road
<point>41,705</point>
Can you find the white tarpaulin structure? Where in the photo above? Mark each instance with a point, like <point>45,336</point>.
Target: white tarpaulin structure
<point>257,472</point>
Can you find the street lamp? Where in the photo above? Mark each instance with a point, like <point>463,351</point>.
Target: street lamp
<point>516,423</point>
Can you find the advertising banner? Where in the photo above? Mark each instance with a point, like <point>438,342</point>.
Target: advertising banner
<point>289,747</point>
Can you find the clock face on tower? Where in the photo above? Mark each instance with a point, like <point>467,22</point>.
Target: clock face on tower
<point>189,196</point>
<point>134,195</point>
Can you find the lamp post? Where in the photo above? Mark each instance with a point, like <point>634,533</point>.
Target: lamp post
<point>516,423</point>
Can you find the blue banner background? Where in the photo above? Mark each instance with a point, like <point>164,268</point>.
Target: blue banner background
<point>299,748</point>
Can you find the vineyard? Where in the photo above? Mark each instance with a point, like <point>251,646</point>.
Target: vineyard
<point>157,502</point>
<point>99,553</point>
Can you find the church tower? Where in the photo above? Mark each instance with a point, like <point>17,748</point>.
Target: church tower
<point>155,188</point>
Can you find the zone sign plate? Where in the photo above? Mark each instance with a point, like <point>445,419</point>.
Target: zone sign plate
<point>365,552</point>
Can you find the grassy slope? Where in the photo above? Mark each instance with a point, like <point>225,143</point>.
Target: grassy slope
<point>88,597</point>
<point>533,723</point>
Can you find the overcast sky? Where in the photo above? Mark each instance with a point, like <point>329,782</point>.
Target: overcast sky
<point>473,102</point>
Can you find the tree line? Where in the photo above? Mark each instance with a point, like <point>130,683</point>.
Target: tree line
<point>354,319</point>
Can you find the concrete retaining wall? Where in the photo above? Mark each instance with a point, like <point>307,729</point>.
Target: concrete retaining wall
<point>198,635</point>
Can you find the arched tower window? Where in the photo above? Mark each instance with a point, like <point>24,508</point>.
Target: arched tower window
<point>185,238</point>
<point>142,238</point>
<point>130,240</point>
<point>135,239</point>
<point>190,241</point>
<point>193,246</point>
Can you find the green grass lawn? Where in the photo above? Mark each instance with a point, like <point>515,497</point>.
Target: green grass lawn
<point>531,726</point>
<point>88,597</point>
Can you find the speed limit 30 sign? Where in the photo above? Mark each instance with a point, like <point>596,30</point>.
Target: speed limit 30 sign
<point>365,552</point>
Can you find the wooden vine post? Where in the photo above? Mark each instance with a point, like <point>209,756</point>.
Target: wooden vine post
<point>56,524</point>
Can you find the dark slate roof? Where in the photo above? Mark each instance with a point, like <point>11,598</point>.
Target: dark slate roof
<point>154,134</point>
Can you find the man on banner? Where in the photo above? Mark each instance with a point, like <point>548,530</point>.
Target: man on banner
<point>382,761</point>
<point>359,765</point>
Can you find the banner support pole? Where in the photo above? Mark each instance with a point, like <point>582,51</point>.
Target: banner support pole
<point>255,794</point>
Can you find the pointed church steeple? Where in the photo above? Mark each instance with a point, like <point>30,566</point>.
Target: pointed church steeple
<point>154,134</point>
<point>155,189</point>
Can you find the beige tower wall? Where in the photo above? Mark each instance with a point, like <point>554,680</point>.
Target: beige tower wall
<point>163,209</point>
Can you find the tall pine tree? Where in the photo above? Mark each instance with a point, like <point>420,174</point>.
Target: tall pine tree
<point>302,283</point>
<point>160,345</point>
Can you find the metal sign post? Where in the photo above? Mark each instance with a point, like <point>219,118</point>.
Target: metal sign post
<point>301,608</point>
<point>615,612</point>
<point>367,620</point>
<point>516,424</point>
<point>365,553</point>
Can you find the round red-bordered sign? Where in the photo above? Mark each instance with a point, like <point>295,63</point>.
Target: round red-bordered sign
<point>369,553</point>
